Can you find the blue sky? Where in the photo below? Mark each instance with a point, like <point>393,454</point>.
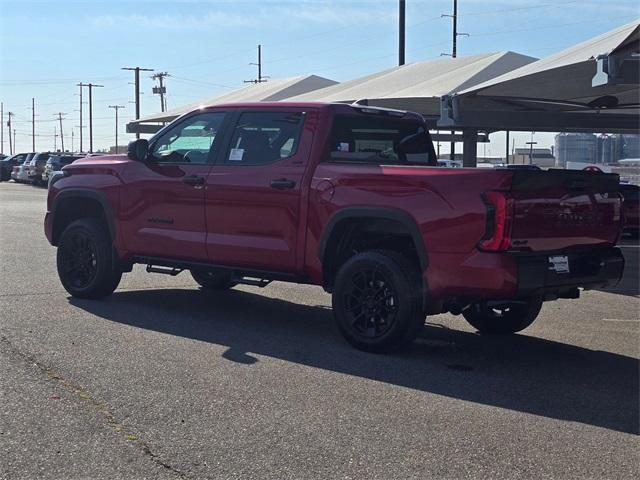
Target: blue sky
<point>48,46</point>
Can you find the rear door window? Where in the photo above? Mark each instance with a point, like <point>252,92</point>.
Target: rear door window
<point>260,138</point>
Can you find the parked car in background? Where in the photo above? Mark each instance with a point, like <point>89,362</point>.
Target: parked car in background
<point>7,164</point>
<point>19,172</point>
<point>449,163</point>
<point>631,208</point>
<point>55,163</point>
<point>36,167</point>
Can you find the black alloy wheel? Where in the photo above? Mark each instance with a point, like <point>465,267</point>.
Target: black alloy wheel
<point>86,260</point>
<point>78,259</point>
<point>377,301</point>
<point>371,303</point>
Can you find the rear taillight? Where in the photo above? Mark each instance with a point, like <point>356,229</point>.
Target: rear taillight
<point>497,236</point>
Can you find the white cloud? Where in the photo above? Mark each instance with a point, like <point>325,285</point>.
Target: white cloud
<point>282,15</point>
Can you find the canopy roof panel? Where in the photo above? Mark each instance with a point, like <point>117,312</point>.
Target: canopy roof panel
<point>273,90</point>
<point>418,86</point>
<point>592,86</point>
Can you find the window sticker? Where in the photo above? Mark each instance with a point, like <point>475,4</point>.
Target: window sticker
<point>374,146</point>
<point>236,154</point>
<point>343,147</point>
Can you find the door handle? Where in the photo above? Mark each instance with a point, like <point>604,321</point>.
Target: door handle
<point>282,184</point>
<point>193,180</point>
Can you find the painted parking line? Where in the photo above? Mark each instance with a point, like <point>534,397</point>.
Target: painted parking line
<point>622,320</point>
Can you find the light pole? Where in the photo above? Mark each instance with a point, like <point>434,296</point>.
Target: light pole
<point>531,144</point>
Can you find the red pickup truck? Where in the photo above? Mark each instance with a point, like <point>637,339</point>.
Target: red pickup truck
<point>343,196</point>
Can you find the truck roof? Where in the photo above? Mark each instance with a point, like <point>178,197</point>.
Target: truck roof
<point>341,107</point>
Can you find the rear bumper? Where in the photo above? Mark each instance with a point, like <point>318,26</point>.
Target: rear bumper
<point>500,276</point>
<point>593,269</point>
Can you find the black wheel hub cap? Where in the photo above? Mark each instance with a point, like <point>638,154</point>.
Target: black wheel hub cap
<point>79,260</point>
<point>371,303</point>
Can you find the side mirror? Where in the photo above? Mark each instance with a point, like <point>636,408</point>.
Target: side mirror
<point>138,150</point>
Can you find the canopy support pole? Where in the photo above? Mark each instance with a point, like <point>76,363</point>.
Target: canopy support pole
<point>469,148</point>
<point>452,147</point>
<point>506,150</point>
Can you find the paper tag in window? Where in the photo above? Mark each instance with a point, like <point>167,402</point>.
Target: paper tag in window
<point>236,154</point>
<point>343,147</point>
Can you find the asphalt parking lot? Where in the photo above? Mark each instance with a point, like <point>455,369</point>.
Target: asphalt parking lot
<point>163,380</point>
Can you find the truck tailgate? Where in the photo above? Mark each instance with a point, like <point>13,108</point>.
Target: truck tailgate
<point>560,209</point>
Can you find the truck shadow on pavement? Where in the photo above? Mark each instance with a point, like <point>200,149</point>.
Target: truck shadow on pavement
<point>520,373</point>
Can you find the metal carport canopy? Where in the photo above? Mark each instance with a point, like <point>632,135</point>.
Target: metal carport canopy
<point>272,90</point>
<point>590,87</point>
<point>418,86</point>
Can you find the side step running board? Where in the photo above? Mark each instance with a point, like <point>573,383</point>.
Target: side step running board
<point>247,276</point>
<point>164,270</point>
<point>256,282</point>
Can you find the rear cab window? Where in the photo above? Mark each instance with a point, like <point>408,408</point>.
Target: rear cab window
<point>374,139</point>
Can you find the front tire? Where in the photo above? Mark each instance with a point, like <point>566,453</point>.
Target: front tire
<point>508,318</point>
<point>85,260</point>
<point>213,279</point>
<point>377,301</point>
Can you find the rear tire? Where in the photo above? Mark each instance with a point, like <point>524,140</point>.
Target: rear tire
<point>377,301</point>
<point>85,260</point>
<point>213,279</point>
<point>510,318</point>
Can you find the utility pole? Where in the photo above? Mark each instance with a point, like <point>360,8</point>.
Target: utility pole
<point>161,89</point>
<point>137,71</point>
<point>72,149</point>
<point>401,30</point>
<point>81,85</point>
<point>531,144</point>
<point>55,138</point>
<point>1,128</point>
<point>11,145</point>
<point>260,78</point>
<point>59,114</point>
<point>454,18</point>
<point>454,54</point>
<point>33,124</point>
<point>14,138</point>
<point>91,85</point>
<point>116,108</point>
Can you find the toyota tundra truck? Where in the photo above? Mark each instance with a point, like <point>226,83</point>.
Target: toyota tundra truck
<point>347,197</point>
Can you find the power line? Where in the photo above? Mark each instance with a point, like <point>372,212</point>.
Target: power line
<point>515,9</point>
